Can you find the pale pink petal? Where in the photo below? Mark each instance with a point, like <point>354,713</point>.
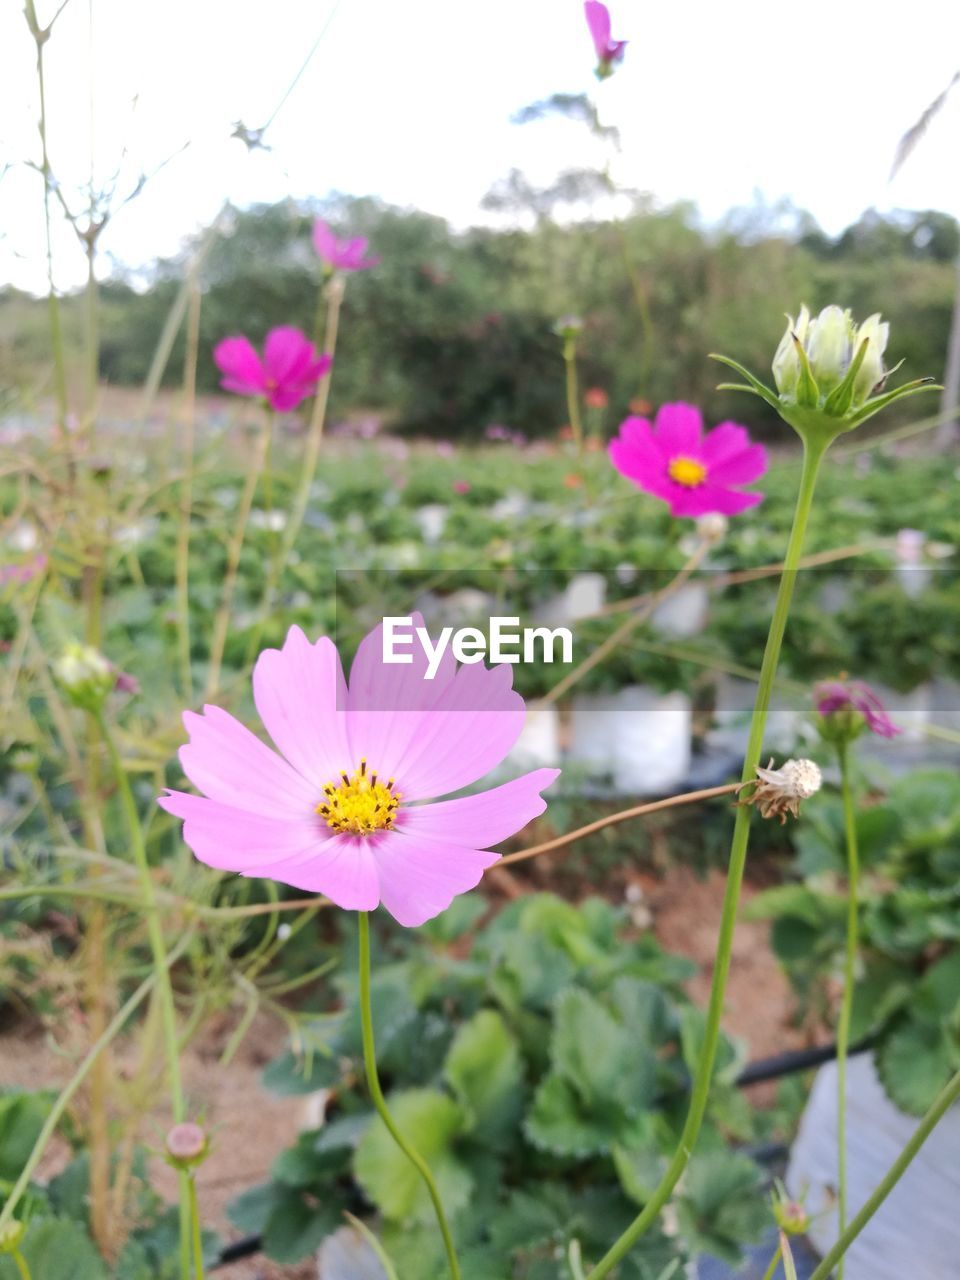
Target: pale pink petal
<point>228,763</point>
<point>301,697</point>
<point>419,878</point>
<point>345,869</point>
<point>678,428</point>
<point>484,819</point>
<point>233,839</point>
<point>238,361</point>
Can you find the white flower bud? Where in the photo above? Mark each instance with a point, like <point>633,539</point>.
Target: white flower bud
<point>871,372</point>
<point>829,347</point>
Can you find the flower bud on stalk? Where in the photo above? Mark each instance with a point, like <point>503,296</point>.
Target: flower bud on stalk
<point>777,792</point>
<point>87,677</point>
<point>829,373</point>
<point>11,1236</point>
<point>186,1146</point>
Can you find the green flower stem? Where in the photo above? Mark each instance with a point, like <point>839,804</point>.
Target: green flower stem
<point>115,1026</point>
<point>771,1269</point>
<point>20,1262</point>
<point>849,978</point>
<point>376,1093</point>
<point>308,470</point>
<point>195,1227</point>
<point>161,967</point>
<point>185,497</point>
<point>573,396</point>
<point>944,1101</point>
<point>222,621</point>
<point>813,455</point>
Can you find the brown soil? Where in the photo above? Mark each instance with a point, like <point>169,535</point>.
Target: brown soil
<point>251,1127</point>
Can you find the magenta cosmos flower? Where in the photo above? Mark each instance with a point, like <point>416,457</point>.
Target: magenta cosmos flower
<point>340,810</point>
<point>696,474</point>
<point>287,374</point>
<point>608,51</point>
<point>341,255</point>
<point>840,698</point>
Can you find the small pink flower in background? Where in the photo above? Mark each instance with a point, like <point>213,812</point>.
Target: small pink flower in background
<point>341,255</point>
<point>608,51</point>
<point>287,374</point>
<point>23,573</point>
<point>340,811</point>
<point>840,698</point>
<point>697,474</point>
<point>596,398</point>
<point>462,486</point>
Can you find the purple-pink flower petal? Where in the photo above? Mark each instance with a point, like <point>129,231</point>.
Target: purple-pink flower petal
<point>243,371</point>
<point>419,878</point>
<point>489,816</point>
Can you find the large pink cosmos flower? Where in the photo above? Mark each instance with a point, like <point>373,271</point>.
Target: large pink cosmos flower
<point>341,255</point>
<point>608,51</point>
<point>338,811</point>
<point>696,474</point>
<point>287,374</point>
<point>833,697</point>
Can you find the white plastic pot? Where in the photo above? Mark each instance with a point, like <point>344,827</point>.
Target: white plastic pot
<point>637,740</point>
<point>915,1232</point>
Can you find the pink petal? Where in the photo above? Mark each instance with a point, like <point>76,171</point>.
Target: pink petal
<point>647,468</point>
<point>324,241</point>
<point>708,499</point>
<point>345,869</point>
<point>486,818</point>
<point>228,763</point>
<point>598,20</point>
<point>419,878</point>
<point>286,398</point>
<point>233,839</point>
<point>730,456</point>
<point>678,429</point>
<point>287,353</point>
<point>300,695</point>
<point>238,360</point>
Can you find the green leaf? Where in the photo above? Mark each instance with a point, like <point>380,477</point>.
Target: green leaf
<point>430,1121</point>
<point>559,1121</point>
<point>303,1165</point>
<point>296,1226</point>
<point>599,1056</point>
<point>914,1063</point>
<point>56,1249</point>
<point>937,996</point>
<point>722,1206</point>
<point>730,1054</point>
<point>485,1071</point>
<point>22,1116</point>
<point>292,1074</point>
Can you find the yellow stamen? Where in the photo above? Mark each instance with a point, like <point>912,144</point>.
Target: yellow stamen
<point>687,471</point>
<point>359,804</point>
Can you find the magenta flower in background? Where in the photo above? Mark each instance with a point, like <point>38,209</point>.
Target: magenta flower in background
<point>340,811</point>
<point>341,255</point>
<point>608,51</point>
<point>23,573</point>
<point>287,374</point>
<point>695,474</point>
<point>841,697</point>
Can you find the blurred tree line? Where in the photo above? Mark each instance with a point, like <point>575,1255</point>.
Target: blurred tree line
<point>454,330</point>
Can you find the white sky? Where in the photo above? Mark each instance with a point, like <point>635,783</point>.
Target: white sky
<point>412,101</point>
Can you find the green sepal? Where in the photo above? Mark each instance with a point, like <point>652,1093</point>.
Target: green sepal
<point>880,402</point>
<point>754,384</point>
<point>838,402</point>
<point>808,393</point>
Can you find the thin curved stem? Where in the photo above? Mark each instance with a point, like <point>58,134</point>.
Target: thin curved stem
<point>195,1227</point>
<point>376,1093</point>
<point>222,621</point>
<point>812,457</point>
<point>771,1269</point>
<point>947,1097</point>
<point>849,978</point>
<point>161,966</point>
<point>113,1029</point>
<point>20,1262</point>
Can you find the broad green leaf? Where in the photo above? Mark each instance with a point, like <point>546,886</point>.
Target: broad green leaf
<point>22,1116</point>
<point>559,1122</point>
<point>599,1056</point>
<point>722,1206</point>
<point>914,1062</point>
<point>297,1225</point>
<point>430,1121</point>
<point>485,1071</point>
<point>56,1249</point>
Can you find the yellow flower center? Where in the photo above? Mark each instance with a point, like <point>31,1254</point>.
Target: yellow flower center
<point>687,471</point>
<point>358,804</point>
